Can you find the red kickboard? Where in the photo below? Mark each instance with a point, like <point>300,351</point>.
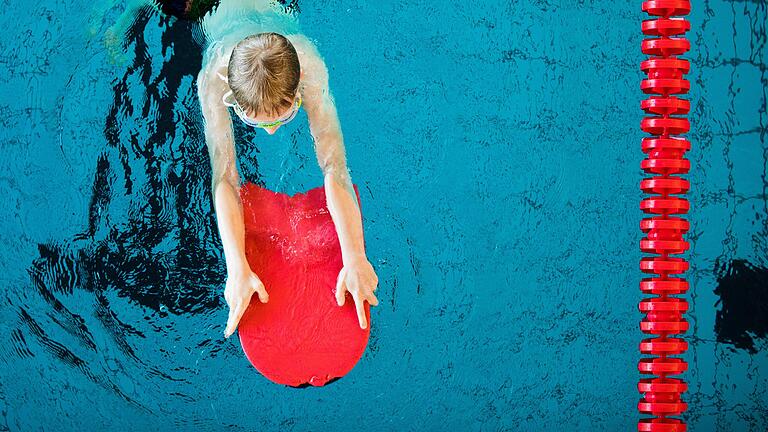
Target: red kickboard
<point>300,336</point>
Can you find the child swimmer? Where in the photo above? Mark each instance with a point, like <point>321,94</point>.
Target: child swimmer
<point>258,64</point>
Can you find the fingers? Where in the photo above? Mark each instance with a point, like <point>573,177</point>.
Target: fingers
<point>235,314</point>
<point>238,295</point>
<point>341,287</point>
<point>360,306</point>
<point>262,291</point>
<point>372,300</point>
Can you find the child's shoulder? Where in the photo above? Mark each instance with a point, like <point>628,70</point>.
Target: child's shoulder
<point>216,61</point>
<point>312,64</point>
<point>305,48</point>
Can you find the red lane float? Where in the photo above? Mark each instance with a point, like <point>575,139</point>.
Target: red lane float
<point>301,336</point>
<point>665,150</point>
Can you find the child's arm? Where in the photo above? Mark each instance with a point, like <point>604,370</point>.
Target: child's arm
<point>241,281</point>
<point>357,276</point>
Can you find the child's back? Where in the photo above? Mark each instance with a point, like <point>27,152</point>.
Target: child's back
<point>234,20</point>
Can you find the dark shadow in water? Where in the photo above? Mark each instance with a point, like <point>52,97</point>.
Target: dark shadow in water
<point>743,291</point>
<point>196,9</point>
<point>187,9</point>
<point>151,238</point>
<point>158,251</point>
<point>307,385</point>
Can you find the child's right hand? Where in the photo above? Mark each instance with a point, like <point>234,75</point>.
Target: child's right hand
<point>240,287</point>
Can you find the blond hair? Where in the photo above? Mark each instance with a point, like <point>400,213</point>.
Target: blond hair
<point>264,73</point>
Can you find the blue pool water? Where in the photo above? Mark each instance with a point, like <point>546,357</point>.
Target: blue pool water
<point>497,150</point>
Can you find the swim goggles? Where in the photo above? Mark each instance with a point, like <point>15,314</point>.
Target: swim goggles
<point>253,123</point>
<point>250,122</point>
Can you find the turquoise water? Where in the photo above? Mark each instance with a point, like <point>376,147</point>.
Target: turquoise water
<point>497,151</point>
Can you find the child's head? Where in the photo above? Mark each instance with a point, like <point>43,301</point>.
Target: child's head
<point>264,74</point>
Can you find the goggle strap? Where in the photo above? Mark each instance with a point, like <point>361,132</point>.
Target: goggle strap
<point>226,102</point>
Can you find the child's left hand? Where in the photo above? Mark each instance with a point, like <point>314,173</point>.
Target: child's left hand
<point>361,281</point>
